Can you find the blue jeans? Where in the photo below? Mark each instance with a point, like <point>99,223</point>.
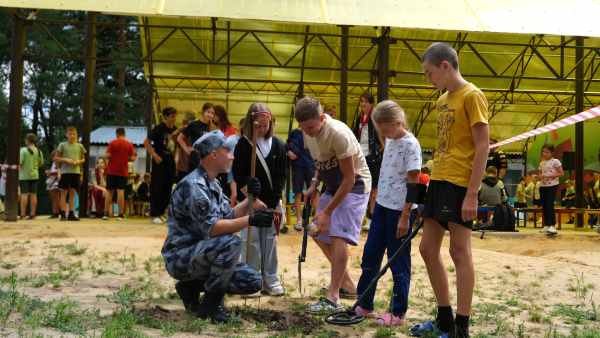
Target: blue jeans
<point>382,236</point>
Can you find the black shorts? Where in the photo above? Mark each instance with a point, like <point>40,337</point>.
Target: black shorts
<point>116,182</point>
<point>69,181</point>
<point>128,192</point>
<point>444,203</point>
<point>28,186</point>
<point>301,177</point>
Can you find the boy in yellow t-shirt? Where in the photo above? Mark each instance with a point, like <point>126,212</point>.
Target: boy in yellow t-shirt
<point>458,166</point>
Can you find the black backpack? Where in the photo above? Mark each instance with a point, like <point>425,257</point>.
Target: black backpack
<point>504,218</point>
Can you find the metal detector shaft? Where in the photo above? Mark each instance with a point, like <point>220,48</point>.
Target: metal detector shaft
<point>389,262</point>
<point>350,317</point>
<point>305,219</point>
<point>251,197</point>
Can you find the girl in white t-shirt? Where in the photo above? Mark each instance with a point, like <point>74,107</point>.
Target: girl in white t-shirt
<point>550,171</point>
<point>392,216</point>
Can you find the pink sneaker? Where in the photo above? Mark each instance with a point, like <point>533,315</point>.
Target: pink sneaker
<point>388,319</point>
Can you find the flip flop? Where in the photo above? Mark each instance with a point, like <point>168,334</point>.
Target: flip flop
<point>388,319</point>
<point>344,294</point>
<point>422,329</point>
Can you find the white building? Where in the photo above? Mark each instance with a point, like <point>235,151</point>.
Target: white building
<point>101,137</point>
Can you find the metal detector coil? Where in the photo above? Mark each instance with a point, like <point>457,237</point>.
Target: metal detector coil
<point>350,317</point>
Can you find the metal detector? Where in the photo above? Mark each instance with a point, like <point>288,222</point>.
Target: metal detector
<point>349,316</point>
<point>302,257</point>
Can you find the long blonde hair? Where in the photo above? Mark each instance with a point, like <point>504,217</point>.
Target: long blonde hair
<point>389,111</point>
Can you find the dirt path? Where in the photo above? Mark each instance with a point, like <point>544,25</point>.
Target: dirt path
<point>525,282</point>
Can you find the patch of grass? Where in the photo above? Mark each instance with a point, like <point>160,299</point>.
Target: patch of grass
<point>74,249</point>
<point>327,334</point>
<point>234,324</point>
<point>580,287</point>
<point>66,316</point>
<point>489,312</point>
<point>585,332</point>
<point>513,301</point>
<point>8,265</point>
<point>66,273</point>
<point>384,332</point>
<point>126,296</point>
<point>63,315</point>
<point>535,314</point>
<point>122,325</point>
<point>574,314</point>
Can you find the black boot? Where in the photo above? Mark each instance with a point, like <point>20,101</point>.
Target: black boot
<point>189,292</point>
<point>212,307</point>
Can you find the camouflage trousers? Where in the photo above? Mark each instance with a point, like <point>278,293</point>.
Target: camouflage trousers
<point>215,262</point>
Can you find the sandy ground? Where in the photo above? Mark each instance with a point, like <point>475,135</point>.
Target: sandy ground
<point>521,277</point>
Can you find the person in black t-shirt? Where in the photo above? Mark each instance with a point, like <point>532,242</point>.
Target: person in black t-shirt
<point>193,131</point>
<point>161,147</point>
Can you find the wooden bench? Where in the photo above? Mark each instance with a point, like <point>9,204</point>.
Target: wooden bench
<point>559,212</point>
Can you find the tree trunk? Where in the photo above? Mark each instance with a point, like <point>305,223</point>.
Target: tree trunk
<point>120,107</point>
<point>37,110</point>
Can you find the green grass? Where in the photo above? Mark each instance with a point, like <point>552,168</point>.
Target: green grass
<point>580,287</point>
<point>488,312</point>
<point>122,325</point>
<point>8,265</point>
<point>74,249</point>
<point>574,314</point>
<point>384,332</point>
<point>63,314</point>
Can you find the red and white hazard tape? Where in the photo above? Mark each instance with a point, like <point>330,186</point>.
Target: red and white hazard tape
<point>9,167</point>
<point>586,115</point>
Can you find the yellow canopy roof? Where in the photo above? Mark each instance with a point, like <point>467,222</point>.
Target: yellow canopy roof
<point>521,75</point>
<point>254,50</point>
<point>576,17</point>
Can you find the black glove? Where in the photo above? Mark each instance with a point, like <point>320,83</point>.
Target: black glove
<point>261,218</point>
<point>253,186</point>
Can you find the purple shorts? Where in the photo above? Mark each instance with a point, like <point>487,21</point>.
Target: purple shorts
<point>346,219</point>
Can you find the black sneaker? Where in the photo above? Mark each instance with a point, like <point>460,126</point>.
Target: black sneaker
<point>459,332</point>
<point>189,292</point>
<point>63,217</point>
<point>72,217</point>
<point>212,307</point>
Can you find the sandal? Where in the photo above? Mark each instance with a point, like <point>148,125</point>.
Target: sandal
<point>344,294</point>
<point>388,319</point>
<point>324,305</point>
<point>428,329</point>
<point>361,311</point>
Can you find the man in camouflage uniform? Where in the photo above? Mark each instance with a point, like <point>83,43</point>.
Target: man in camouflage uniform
<point>202,250</point>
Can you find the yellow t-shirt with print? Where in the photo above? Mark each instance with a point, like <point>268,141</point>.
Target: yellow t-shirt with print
<point>457,113</point>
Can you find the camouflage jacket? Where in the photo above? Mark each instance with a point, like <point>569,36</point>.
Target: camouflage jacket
<point>196,205</point>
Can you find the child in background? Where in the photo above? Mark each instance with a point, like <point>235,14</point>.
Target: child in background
<point>142,194</point>
<point>521,194</point>
<point>550,171</point>
<point>52,180</point>
<point>71,156</point>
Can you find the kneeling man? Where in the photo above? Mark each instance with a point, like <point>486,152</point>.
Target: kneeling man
<point>202,249</point>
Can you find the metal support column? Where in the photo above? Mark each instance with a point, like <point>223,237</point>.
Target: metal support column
<point>579,95</point>
<point>344,75</point>
<point>148,121</point>
<point>88,107</point>
<point>383,54</point>
<point>14,116</point>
